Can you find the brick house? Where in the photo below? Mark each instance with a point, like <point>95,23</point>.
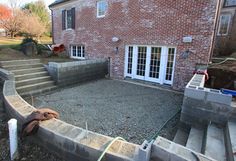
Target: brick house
<point>159,41</point>
<point>226,31</point>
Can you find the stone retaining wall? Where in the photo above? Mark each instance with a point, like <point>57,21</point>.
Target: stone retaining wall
<point>69,73</point>
<point>202,105</point>
<point>74,143</point>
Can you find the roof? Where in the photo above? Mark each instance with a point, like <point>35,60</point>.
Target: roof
<point>57,2</point>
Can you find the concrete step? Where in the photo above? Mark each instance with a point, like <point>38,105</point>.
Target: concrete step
<point>181,137</point>
<point>19,62</point>
<point>215,144</point>
<point>231,140</point>
<point>24,66</point>
<point>195,139</point>
<point>31,75</point>
<point>32,87</point>
<point>32,81</point>
<point>28,71</point>
<point>37,92</point>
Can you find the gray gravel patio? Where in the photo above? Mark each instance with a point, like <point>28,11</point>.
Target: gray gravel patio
<point>116,108</point>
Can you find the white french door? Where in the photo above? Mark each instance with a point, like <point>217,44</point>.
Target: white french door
<point>150,63</point>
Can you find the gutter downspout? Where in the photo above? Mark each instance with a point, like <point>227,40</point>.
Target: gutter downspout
<point>215,28</point>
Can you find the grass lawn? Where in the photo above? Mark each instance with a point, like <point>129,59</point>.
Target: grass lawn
<point>6,42</point>
<point>10,50</point>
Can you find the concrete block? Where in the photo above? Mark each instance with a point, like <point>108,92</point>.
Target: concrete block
<point>173,152</point>
<point>144,151</point>
<point>218,97</point>
<point>195,93</point>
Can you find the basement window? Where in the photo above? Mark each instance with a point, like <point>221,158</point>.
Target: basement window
<point>77,51</point>
<point>229,3</point>
<point>224,25</point>
<point>102,7</point>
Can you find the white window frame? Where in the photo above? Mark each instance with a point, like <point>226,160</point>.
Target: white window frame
<point>219,27</point>
<point>98,7</point>
<point>82,54</point>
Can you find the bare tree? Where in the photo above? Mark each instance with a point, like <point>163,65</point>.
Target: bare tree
<point>14,23</point>
<point>33,26</point>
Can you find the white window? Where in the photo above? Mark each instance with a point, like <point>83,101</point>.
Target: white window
<point>230,2</point>
<point>224,24</point>
<point>77,52</point>
<point>102,7</point>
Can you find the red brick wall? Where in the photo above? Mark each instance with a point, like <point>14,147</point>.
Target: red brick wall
<point>142,22</point>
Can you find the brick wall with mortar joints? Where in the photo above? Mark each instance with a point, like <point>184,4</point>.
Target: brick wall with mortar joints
<point>143,22</point>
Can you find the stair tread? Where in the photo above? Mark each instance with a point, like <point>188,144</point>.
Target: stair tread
<point>19,70</point>
<point>31,74</point>
<point>215,144</point>
<point>32,85</point>
<point>31,79</point>
<point>232,134</point>
<point>181,137</point>
<point>22,60</point>
<point>195,139</point>
<point>7,66</point>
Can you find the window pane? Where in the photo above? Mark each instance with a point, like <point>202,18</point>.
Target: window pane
<point>224,24</point>
<point>141,65</point>
<point>74,50</point>
<point>155,62</point>
<point>69,18</point>
<point>102,8</point>
<point>130,59</point>
<point>170,64</point>
<point>230,3</point>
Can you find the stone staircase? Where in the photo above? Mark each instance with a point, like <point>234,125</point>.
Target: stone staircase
<point>215,141</point>
<point>30,75</point>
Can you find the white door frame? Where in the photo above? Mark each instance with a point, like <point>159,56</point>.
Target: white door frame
<point>172,74</point>
<point>163,64</point>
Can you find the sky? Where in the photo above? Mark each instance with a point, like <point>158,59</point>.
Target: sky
<point>22,2</point>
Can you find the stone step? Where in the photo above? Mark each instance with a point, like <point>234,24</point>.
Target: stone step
<point>32,87</point>
<point>19,62</point>
<point>28,71</point>
<point>24,66</point>
<point>31,75</point>
<point>215,144</point>
<point>32,81</point>
<point>231,138</point>
<point>195,139</point>
<point>181,137</point>
<point>39,91</point>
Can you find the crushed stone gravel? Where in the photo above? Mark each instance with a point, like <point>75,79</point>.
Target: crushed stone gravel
<point>116,108</point>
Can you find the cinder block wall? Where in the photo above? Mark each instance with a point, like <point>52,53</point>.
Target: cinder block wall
<point>79,71</point>
<point>202,105</point>
<point>146,22</point>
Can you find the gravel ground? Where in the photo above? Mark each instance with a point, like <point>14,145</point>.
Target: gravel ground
<point>27,150</point>
<point>116,108</point>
